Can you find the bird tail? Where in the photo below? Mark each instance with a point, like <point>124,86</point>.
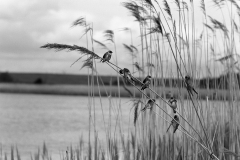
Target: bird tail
<point>121,71</point>
<point>144,108</point>
<point>175,129</point>
<point>195,91</point>
<point>169,127</point>
<point>174,111</point>
<point>190,92</point>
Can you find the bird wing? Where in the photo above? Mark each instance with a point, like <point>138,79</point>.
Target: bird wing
<point>105,55</point>
<point>108,57</point>
<point>126,70</point>
<point>169,127</point>
<point>175,127</point>
<point>144,81</point>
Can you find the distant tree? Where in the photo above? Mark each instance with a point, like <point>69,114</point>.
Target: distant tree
<point>38,81</point>
<point>5,77</point>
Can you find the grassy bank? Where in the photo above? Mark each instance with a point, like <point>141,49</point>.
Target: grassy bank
<point>83,90</point>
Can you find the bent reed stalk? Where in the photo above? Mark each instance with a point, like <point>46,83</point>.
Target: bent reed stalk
<point>148,140</point>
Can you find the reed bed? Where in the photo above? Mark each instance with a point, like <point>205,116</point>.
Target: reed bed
<point>207,130</point>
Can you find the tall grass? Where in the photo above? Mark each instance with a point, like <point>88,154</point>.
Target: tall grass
<point>207,130</point>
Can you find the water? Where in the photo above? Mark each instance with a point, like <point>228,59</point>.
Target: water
<point>28,120</point>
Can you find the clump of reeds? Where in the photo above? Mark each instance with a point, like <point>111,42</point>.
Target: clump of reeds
<point>205,131</point>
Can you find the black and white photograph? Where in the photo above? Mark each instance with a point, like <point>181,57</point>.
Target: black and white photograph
<point>119,79</point>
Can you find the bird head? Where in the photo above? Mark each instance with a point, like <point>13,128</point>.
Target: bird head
<point>176,117</point>
<point>187,77</point>
<point>110,52</point>
<point>149,77</point>
<point>126,70</point>
<point>121,71</point>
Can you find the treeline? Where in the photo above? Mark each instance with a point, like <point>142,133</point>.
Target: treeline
<point>221,82</point>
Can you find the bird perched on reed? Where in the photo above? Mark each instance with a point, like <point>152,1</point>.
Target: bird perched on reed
<point>173,104</point>
<point>189,85</point>
<point>149,104</point>
<point>146,82</point>
<point>107,56</point>
<point>175,123</point>
<point>127,75</point>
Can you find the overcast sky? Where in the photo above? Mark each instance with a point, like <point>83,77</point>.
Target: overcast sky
<point>28,24</point>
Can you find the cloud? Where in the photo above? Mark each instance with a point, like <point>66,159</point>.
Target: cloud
<point>28,24</point>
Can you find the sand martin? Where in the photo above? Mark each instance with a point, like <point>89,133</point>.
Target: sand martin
<point>175,123</point>
<point>127,75</point>
<point>173,104</point>
<point>149,104</point>
<point>107,56</point>
<point>189,85</point>
<point>146,82</point>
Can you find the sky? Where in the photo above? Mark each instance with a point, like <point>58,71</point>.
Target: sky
<point>28,24</point>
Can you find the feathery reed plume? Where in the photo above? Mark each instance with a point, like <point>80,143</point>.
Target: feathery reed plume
<point>130,50</point>
<point>109,34</point>
<point>203,7</point>
<point>157,22</point>
<point>148,2</point>
<point>209,27</point>
<point>125,29</point>
<point>136,103</point>
<point>167,35</point>
<point>85,51</point>
<point>101,44</point>
<point>235,4</point>
<point>60,47</point>
<point>185,5</point>
<point>79,22</point>
<point>177,3</point>
<point>88,63</point>
<point>138,67</point>
<point>167,8</point>
<point>219,25</point>
<point>212,49</point>
<point>86,30</point>
<point>235,26</point>
<point>135,10</point>
<point>82,22</point>
<point>219,3</point>
<point>135,48</point>
<point>225,58</point>
<point>150,65</point>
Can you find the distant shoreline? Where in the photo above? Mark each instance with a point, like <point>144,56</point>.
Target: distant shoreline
<point>83,90</point>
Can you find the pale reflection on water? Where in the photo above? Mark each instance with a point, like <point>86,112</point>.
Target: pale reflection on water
<point>27,120</point>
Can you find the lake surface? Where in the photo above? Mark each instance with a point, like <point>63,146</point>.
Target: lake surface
<point>28,120</point>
